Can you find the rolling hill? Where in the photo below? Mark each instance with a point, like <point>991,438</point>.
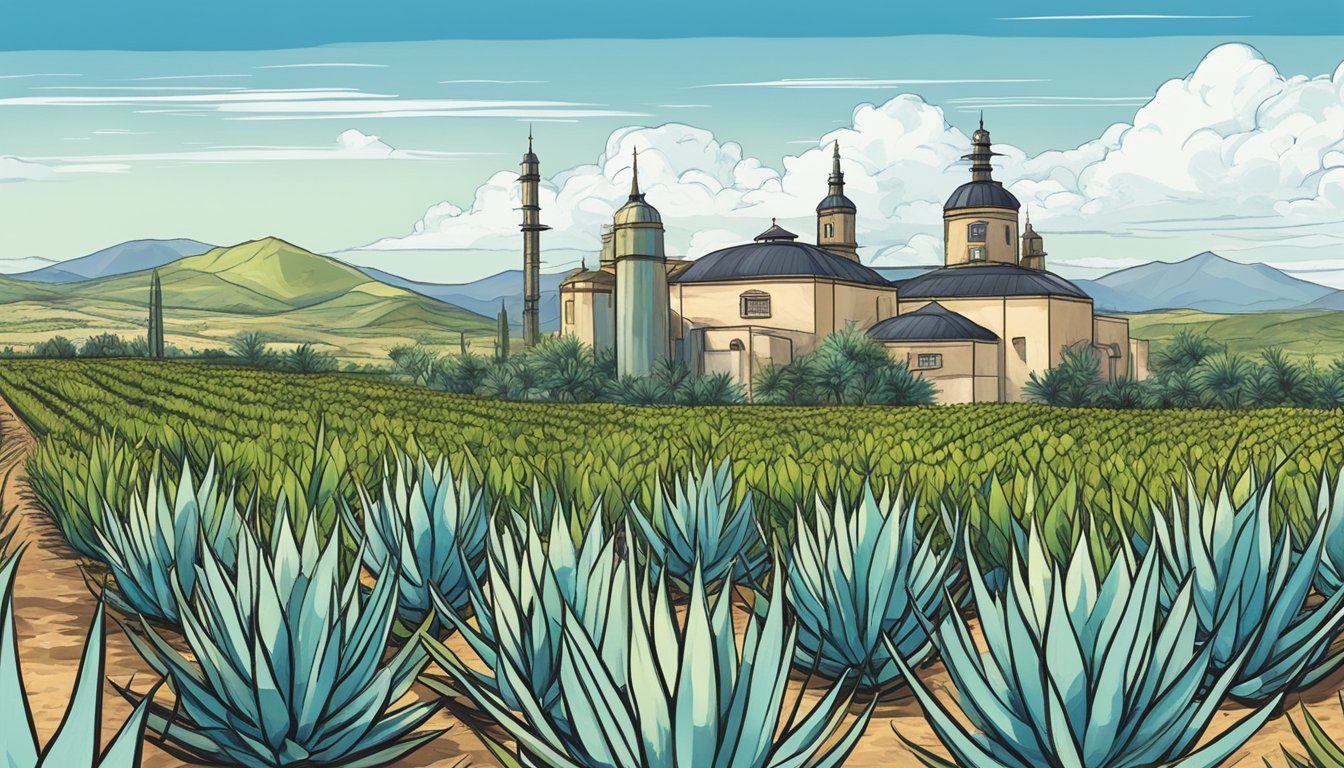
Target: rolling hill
<point>1206,282</point>
<point>288,294</point>
<point>131,256</point>
<point>1300,333</point>
<point>483,296</point>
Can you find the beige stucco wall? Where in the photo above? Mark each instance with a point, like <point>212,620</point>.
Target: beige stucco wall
<point>843,237</point>
<point>969,370</point>
<point>588,314</point>
<point>805,309</point>
<point>998,248</point>
<point>1138,355</point>
<point>1111,335</point>
<point>758,348</point>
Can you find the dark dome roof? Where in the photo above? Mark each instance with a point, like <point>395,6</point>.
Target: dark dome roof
<point>981,194</point>
<point>836,201</point>
<point>931,322</point>
<point>987,280</point>
<point>589,275</point>
<point>776,258</point>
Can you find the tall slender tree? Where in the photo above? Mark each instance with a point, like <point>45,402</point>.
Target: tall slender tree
<point>155,338</point>
<point>502,333</point>
<point>462,343</point>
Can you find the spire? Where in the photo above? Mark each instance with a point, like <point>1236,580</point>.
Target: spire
<point>529,137</point>
<point>634,177</point>
<point>837,179</point>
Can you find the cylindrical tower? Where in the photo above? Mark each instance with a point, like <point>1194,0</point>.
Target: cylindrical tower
<point>1033,248</point>
<point>532,229</point>
<point>980,218</point>
<point>642,310</point>
<point>835,215</point>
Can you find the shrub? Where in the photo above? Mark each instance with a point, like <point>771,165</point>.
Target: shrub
<point>1074,383</point>
<point>76,742</point>
<point>104,345</point>
<point>285,663</point>
<point>251,348</point>
<point>429,528</point>
<point>1078,673</point>
<point>847,368</point>
<point>1250,589</point>
<point>306,359</point>
<point>857,574</point>
<point>673,693</point>
<point>153,546</point>
<point>56,346</point>
<point>463,374</point>
<point>1225,380</point>
<point>413,362</point>
<point>693,522</point>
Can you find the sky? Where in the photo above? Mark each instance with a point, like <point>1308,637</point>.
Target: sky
<point>389,135</point>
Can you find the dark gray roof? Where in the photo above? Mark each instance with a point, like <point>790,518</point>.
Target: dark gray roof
<point>931,322</point>
<point>987,280</point>
<point>775,232</point>
<point>776,258</point>
<point>836,201</point>
<point>981,194</point>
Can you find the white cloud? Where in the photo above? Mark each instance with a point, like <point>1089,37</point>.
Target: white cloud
<point>13,169</point>
<point>1234,150</point>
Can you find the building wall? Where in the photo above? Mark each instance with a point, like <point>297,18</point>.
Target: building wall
<point>743,351</point>
<point>1111,336</point>
<point>642,334</point>
<point>843,238</point>
<point>1138,355</point>
<point>967,373</point>
<point>588,314</point>
<point>998,247</point>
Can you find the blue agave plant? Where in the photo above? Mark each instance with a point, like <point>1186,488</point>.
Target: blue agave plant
<point>1329,506</point>
<point>153,545</point>
<point>75,744</point>
<point>286,661</point>
<point>679,694</point>
<point>856,575</point>
<point>532,586</point>
<point>1079,674</point>
<point>430,529</point>
<point>694,520</point>
<point>1251,589</point>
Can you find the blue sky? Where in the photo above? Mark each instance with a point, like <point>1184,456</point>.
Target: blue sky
<point>410,146</point>
<point>273,24</point>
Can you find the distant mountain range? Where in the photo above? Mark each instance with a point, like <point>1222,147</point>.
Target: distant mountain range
<point>1207,282</point>
<point>276,288</point>
<point>483,296</point>
<point>120,259</point>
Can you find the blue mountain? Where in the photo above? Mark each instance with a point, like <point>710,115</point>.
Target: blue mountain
<point>120,259</point>
<point>1206,282</point>
<point>483,296</point>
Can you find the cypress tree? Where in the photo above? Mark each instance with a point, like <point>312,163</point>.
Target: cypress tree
<point>155,338</point>
<point>462,343</point>
<point>502,333</point>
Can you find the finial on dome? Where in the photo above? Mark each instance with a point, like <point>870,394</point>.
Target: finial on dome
<point>529,137</point>
<point>982,119</point>
<point>634,176</point>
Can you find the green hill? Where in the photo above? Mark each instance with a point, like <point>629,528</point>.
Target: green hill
<point>270,286</point>
<point>1300,333</point>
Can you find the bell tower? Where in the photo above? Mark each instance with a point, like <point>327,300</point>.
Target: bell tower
<point>1033,248</point>
<point>835,215</point>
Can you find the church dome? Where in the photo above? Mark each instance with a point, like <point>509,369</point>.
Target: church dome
<point>986,280</point>
<point>637,211</point>
<point>836,202</point>
<point>931,322</point>
<point>776,258</point>
<point>981,194</point>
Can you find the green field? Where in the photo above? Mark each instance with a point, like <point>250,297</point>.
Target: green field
<point>288,294</point>
<point>263,424</point>
<point>1300,333</point>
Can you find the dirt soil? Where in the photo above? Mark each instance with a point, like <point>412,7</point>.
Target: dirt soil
<point>54,607</point>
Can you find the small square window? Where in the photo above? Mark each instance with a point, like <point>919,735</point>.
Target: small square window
<point>755,304</point>
<point>977,253</point>
<point>975,232</point>
<point>929,361</point>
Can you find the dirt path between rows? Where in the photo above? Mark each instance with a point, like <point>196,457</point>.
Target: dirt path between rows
<point>53,607</point>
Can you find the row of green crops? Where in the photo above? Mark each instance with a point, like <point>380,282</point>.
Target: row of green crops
<point>262,424</point>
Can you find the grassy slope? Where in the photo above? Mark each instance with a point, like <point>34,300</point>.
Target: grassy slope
<point>269,286</point>
<point>1301,333</point>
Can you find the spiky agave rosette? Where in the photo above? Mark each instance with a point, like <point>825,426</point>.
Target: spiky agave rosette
<point>694,520</point>
<point>1079,674</point>
<point>153,545</point>
<point>286,661</point>
<point>533,582</point>
<point>858,573</point>
<point>683,696</point>
<point>76,742</point>
<point>1250,589</point>
<point>428,527</point>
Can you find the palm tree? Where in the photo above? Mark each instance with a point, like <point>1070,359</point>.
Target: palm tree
<point>1224,378</point>
<point>305,359</point>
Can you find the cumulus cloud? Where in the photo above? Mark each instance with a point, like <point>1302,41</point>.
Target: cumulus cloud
<point>1234,144</point>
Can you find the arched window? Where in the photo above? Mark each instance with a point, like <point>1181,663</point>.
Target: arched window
<point>975,231</point>
<point>755,304</point>
<point>1007,234</point>
<point>828,230</point>
<point>736,345</point>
